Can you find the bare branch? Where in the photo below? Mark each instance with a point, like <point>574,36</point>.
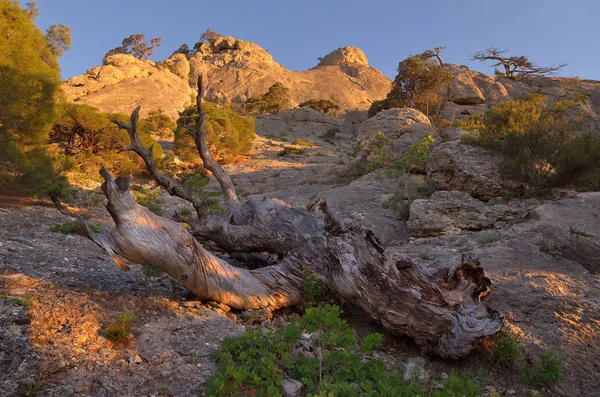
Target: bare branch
<point>516,66</point>
<point>169,184</point>
<point>210,164</point>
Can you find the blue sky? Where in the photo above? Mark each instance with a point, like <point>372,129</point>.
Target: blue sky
<point>297,32</point>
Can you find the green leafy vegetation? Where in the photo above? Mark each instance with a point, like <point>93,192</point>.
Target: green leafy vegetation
<point>420,84</point>
<point>546,370</point>
<point>414,160</point>
<point>541,371</point>
<point>118,331</point>
<point>149,198</point>
<point>339,364</point>
<point>320,105</point>
<point>196,182</point>
<point>228,134</point>
<point>29,77</point>
<point>84,137</point>
<point>274,100</point>
<point>536,143</point>
<point>27,301</point>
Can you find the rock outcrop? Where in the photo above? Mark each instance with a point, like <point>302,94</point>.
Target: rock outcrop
<point>125,82</point>
<point>403,127</point>
<point>471,169</point>
<point>453,212</point>
<point>235,70</point>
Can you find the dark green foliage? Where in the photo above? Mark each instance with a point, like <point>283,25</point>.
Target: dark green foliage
<point>118,332</point>
<point>255,363</point>
<point>29,79</point>
<point>320,105</point>
<point>87,137</point>
<point>137,46</point>
<point>536,145</point>
<point>195,183</point>
<point>158,122</point>
<point>420,84</point>
<point>228,134</point>
<point>274,100</point>
<point>18,301</point>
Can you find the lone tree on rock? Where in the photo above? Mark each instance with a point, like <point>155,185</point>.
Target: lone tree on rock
<point>137,46</point>
<point>441,309</point>
<point>515,67</point>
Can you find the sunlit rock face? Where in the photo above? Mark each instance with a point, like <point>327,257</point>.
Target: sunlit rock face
<point>234,71</point>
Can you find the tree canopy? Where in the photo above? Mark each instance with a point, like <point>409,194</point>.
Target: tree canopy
<point>272,101</point>
<point>320,105</point>
<point>420,84</point>
<point>136,45</point>
<point>29,77</point>
<point>515,66</point>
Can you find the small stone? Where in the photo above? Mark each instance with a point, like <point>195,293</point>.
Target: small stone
<point>199,365</point>
<point>135,359</point>
<point>511,391</point>
<point>415,368</point>
<point>22,321</point>
<point>291,387</point>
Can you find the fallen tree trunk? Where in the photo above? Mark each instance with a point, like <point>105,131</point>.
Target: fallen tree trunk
<point>441,310</point>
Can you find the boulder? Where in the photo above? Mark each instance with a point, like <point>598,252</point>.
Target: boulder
<point>464,91</point>
<point>403,127</point>
<point>179,65</point>
<point>467,168</point>
<point>452,212</point>
<point>345,55</point>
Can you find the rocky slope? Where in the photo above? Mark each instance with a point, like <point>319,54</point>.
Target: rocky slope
<point>235,70</point>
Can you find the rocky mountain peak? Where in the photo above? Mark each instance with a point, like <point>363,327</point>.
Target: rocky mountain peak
<point>344,56</point>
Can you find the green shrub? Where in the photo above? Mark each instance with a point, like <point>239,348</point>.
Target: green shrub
<point>272,101</point>
<point>70,227</point>
<point>536,145</point>
<point>118,331</point>
<point>546,370</point>
<point>256,363</point>
<point>508,348</point>
<point>228,134</point>
<point>299,142</point>
<point>149,198</point>
<point>320,105</point>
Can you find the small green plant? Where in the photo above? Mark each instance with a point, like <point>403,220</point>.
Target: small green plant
<point>314,288</point>
<point>149,198</point>
<point>490,239</point>
<point>508,348</point>
<point>66,228</point>
<point>546,370</point>
<point>329,135</point>
<point>291,150</point>
<point>71,227</point>
<point>118,331</point>
<point>27,301</point>
<point>578,233</point>
<point>151,271</point>
<point>299,142</point>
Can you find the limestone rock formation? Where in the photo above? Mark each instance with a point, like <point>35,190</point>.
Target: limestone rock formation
<point>125,82</point>
<point>235,70</point>
<point>403,127</point>
<point>471,169</point>
<point>451,212</point>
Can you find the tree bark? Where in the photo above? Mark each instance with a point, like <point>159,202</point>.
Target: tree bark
<point>441,310</point>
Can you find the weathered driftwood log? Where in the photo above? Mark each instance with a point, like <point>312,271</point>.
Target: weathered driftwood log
<point>440,309</point>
